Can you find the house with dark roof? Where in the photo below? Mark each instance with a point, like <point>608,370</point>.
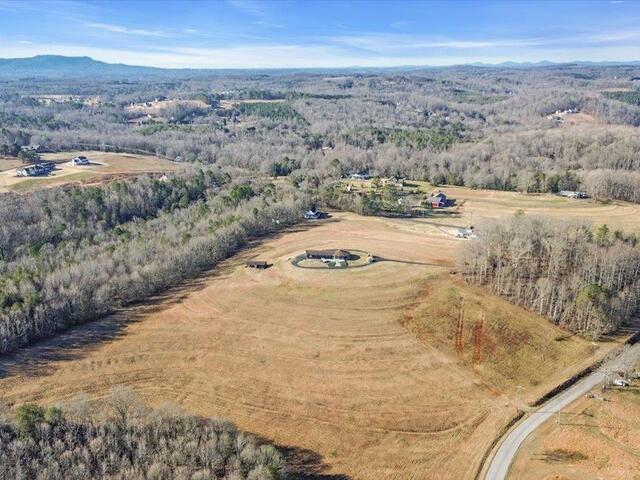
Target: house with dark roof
<point>361,176</point>
<point>37,170</point>
<point>437,200</point>
<point>79,161</point>
<point>572,194</point>
<point>328,255</point>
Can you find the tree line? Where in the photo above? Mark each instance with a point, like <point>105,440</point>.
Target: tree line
<point>28,222</point>
<point>582,279</point>
<point>127,441</point>
<point>78,278</point>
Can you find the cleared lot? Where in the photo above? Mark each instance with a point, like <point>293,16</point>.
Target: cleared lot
<point>472,206</point>
<point>103,165</point>
<point>480,204</point>
<point>596,437</point>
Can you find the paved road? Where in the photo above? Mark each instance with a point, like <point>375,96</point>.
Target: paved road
<point>504,456</point>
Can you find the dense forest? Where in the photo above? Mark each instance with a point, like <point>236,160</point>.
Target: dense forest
<point>537,129</point>
<point>126,441</point>
<point>583,279</point>
<point>73,254</point>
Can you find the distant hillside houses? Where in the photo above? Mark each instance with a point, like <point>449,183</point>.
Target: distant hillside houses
<point>361,176</point>
<point>572,194</point>
<point>397,182</point>
<point>31,148</point>
<point>40,169</point>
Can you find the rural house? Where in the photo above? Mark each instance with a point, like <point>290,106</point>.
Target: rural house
<point>40,169</point>
<point>325,255</point>
<point>361,176</point>
<point>80,160</point>
<point>396,182</point>
<point>572,194</point>
<point>437,200</point>
<point>31,148</point>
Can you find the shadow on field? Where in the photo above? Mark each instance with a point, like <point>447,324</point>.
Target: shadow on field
<point>434,215</point>
<point>34,360</point>
<point>304,464</point>
<point>78,341</point>
<point>408,262</point>
<point>425,221</point>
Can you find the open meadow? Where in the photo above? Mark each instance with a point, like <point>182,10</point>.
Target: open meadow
<point>596,437</point>
<point>364,372</point>
<point>7,163</point>
<point>471,206</point>
<point>104,165</point>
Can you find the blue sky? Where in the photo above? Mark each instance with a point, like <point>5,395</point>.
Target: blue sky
<point>273,33</point>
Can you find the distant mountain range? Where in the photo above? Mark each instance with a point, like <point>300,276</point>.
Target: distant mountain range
<point>61,66</point>
<point>546,63</point>
<point>58,66</point>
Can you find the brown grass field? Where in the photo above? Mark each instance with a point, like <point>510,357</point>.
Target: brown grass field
<point>156,108</point>
<point>594,438</point>
<point>104,165</point>
<point>7,163</point>
<point>362,372</point>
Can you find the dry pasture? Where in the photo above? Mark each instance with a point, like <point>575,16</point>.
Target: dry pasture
<point>8,163</point>
<point>597,437</point>
<point>103,165</point>
<point>361,370</point>
<point>155,108</point>
<point>473,206</point>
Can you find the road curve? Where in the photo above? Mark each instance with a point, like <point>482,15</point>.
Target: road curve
<point>501,461</point>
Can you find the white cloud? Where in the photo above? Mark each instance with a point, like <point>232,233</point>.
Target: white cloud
<point>250,7</point>
<point>128,31</point>
<point>400,24</point>
<point>617,36</point>
<point>399,42</point>
<point>261,23</point>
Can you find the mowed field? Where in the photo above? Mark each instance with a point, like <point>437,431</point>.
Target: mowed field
<point>7,163</point>
<point>359,371</point>
<point>103,165</point>
<point>485,204</point>
<point>594,438</point>
<point>473,206</point>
